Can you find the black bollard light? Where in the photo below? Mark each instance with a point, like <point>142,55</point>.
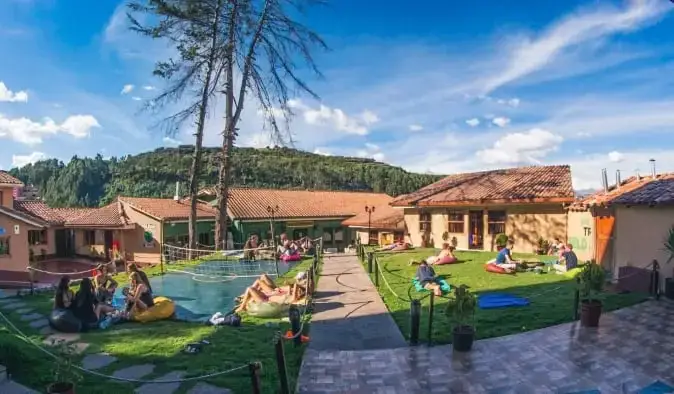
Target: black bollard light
<point>281,365</point>
<point>254,370</point>
<point>294,317</point>
<point>431,308</point>
<point>415,318</point>
<point>370,257</point>
<point>376,273</point>
<point>576,299</point>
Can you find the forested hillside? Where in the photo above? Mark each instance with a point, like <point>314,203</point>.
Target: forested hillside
<point>96,181</point>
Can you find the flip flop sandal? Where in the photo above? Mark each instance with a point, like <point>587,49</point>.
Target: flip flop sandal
<point>192,348</point>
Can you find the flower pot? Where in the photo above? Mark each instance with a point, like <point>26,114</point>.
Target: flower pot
<point>590,312</point>
<point>669,288</point>
<point>61,388</point>
<point>462,338</point>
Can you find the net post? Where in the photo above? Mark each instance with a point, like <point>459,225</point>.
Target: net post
<point>281,364</point>
<point>254,369</point>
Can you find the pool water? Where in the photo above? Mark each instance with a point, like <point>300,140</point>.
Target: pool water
<point>197,298</point>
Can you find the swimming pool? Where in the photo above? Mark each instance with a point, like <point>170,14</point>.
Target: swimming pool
<point>197,298</point>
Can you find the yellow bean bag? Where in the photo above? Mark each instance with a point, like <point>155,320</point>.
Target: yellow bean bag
<point>162,309</point>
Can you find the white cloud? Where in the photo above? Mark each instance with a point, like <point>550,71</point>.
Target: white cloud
<point>22,160</point>
<point>473,122</point>
<point>335,118</point>
<point>416,127</point>
<point>127,89</point>
<point>171,141</point>
<point>12,97</point>
<point>373,151</point>
<point>501,121</point>
<point>322,152</point>
<point>587,25</point>
<point>136,98</point>
<point>615,157</point>
<point>28,132</point>
<point>149,87</point>
<point>521,148</point>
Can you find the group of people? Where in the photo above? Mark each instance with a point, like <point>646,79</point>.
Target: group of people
<point>92,302</point>
<point>566,257</point>
<point>304,245</point>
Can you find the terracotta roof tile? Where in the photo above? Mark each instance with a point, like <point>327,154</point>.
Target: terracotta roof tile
<point>7,179</point>
<point>24,217</point>
<point>51,215</point>
<point>632,191</point>
<point>524,184</point>
<point>168,209</point>
<point>246,203</point>
<point>383,217</point>
<point>109,215</point>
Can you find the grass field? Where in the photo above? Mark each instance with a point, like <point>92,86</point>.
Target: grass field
<point>160,343</point>
<point>551,295</point>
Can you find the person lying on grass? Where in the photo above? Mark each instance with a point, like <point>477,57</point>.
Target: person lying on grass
<point>504,258</point>
<point>447,252</point>
<point>567,261</point>
<point>426,277</point>
<point>265,290</point>
<point>104,284</point>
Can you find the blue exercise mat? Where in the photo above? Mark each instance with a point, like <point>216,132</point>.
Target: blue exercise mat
<point>657,388</point>
<point>500,300</point>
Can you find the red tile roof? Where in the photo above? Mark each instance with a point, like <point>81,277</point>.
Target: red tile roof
<point>632,191</point>
<point>384,217</point>
<point>7,179</point>
<point>22,216</point>
<point>51,215</point>
<point>168,209</point>
<point>110,215</point>
<point>246,203</point>
<point>512,185</point>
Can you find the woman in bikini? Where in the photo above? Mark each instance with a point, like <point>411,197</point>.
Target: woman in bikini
<point>139,297</point>
<point>265,290</point>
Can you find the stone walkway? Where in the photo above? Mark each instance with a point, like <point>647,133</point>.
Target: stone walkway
<point>348,312</point>
<point>633,348</point>
<point>95,361</point>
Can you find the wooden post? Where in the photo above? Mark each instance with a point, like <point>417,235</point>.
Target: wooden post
<point>254,369</point>
<point>281,364</point>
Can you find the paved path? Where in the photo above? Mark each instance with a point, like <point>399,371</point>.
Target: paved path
<point>633,348</point>
<point>348,311</point>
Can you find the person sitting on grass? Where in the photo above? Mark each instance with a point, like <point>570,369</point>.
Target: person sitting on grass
<point>265,290</point>
<point>139,297</point>
<point>104,284</point>
<point>64,297</point>
<point>504,258</point>
<point>447,252</point>
<point>131,268</point>
<point>86,307</point>
<point>567,261</point>
<point>555,247</point>
<point>426,277</point>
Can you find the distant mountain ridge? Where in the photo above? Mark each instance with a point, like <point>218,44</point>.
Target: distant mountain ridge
<point>97,181</point>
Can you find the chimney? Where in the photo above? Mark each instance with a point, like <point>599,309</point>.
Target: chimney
<point>177,195</point>
<point>617,179</point>
<point>604,180</point>
<point>653,173</point>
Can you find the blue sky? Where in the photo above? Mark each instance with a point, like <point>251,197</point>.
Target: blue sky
<point>440,87</point>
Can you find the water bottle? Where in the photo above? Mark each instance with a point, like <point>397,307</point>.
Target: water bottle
<point>105,323</point>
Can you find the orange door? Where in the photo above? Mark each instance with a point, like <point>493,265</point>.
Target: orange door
<point>604,227</point>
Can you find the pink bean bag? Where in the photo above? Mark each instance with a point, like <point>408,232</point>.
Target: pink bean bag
<point>495,269</point>
<point>446,260</point>
<point>287,258</point>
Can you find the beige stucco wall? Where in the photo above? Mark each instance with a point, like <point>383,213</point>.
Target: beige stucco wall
<point>525,224</point>
<point>132,240</point>
<point>581,234</point>
<point>18,244</point>
<point>640,233</point>
<point>49,247</point>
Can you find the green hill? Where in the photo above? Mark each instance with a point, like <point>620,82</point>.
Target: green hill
<point>97,181</point>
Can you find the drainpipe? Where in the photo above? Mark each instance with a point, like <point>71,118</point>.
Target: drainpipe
<point>161,246</point>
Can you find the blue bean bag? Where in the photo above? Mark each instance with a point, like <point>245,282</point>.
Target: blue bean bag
<point>500,300</point>
<point>444,286</point>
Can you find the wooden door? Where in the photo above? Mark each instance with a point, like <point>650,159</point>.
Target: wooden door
<point>604,230</point>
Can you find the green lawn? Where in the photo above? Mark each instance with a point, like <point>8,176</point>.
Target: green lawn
<point>160,343</point>
<point>551,295</point>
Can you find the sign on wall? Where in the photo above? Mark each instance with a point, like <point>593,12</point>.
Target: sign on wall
<point>16,229</point>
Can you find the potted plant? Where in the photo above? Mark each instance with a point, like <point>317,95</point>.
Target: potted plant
<point>64,374</point>
<point>542,246</point>
<point>669,248</point>
<point>461,311</point>
<point>592,278</point>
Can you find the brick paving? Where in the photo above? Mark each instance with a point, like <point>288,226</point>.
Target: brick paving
<point>631,349</point>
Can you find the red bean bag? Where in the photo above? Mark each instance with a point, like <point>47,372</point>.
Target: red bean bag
<point>287,258</point>
<point>493,268</point>
<point>446,260</point>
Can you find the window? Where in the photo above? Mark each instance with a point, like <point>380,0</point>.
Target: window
<point>424,222</point>
<point>90,237</point>
<point>455,222</point>
<point>399,236</point>
<point>327,236</point>
<point>339,235</point>
<point>37,237</point>
<point>496,222</point>
<point>205,239</point>
<point>373,237</point>
<point>4,246</point>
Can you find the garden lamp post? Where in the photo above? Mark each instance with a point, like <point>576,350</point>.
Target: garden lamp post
<point>369,210</point>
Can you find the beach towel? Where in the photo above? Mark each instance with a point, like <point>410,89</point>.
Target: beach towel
<point>500,300</point>
<point>444,286</point>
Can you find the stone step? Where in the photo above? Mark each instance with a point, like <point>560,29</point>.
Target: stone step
<point>205,388</point>
<point>97,361</point>
<point>134,371</point>
<point>162,388</point>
